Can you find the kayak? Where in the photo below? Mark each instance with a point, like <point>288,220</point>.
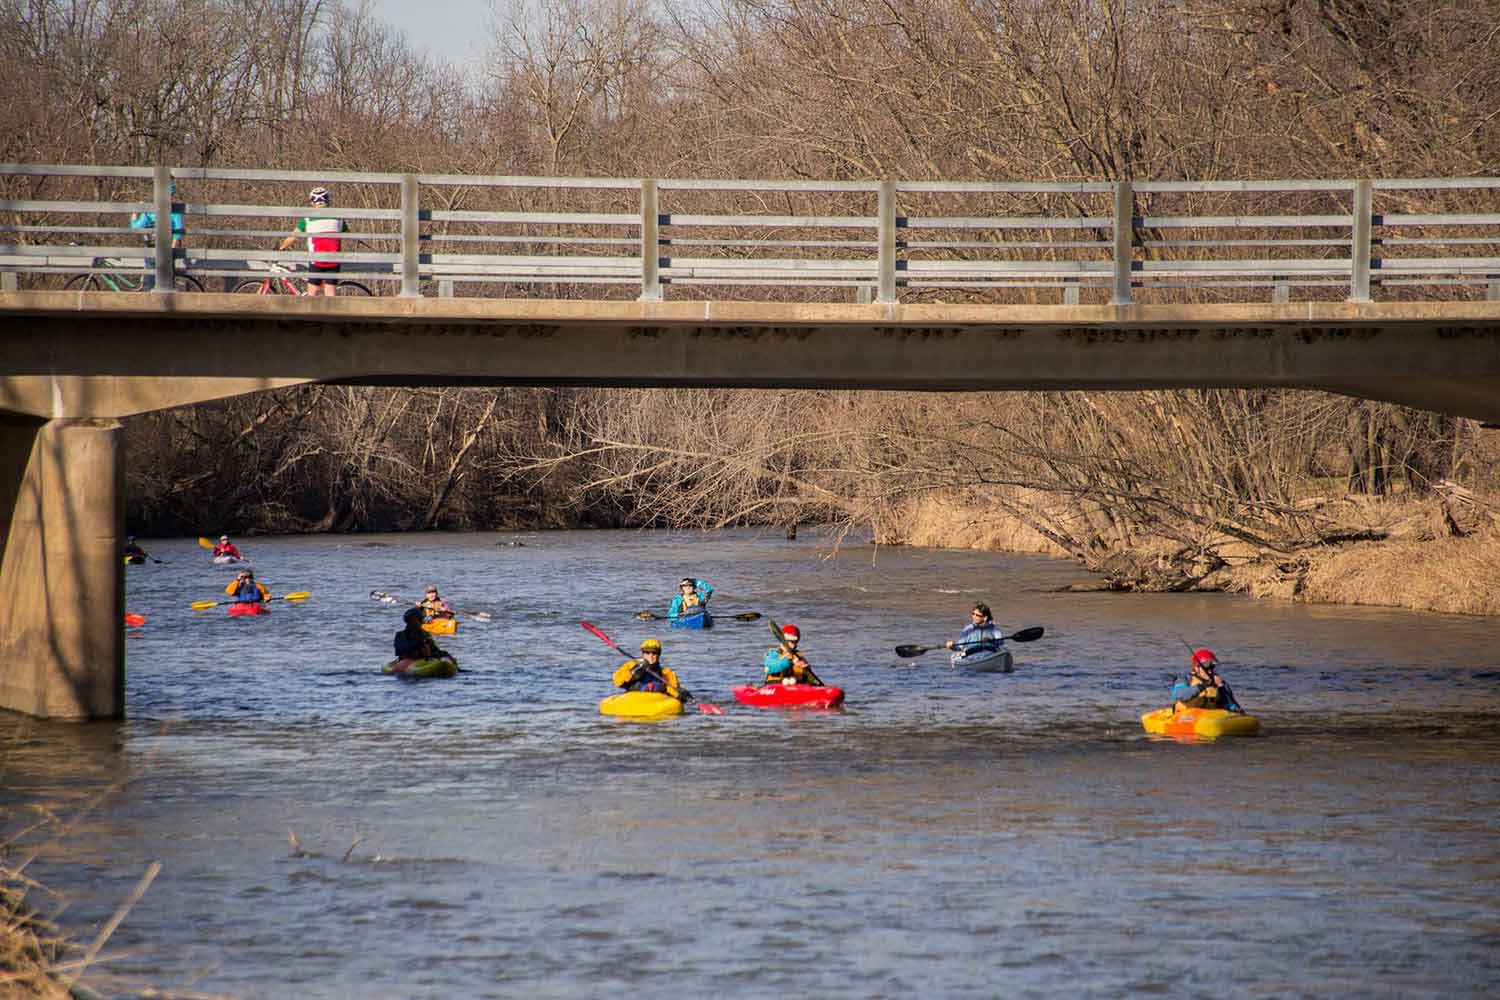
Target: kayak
<point>248,608</point>
<point>641,705</point>
<point>993,661</point>
<point>134,560</point>
<point>789,696</point>
<point>698,619</point>
<point>1207,722</point>
<point>134,620</point>
<point>441,626</point>
<point>230,561</point>
<point>440,667</point>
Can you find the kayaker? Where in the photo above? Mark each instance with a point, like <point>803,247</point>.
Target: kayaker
<point>692,597</point>
<point>412,643</point>
<point>434,606</point>
<point>226,548</point>
<point>1203,687</point>
<point>981,635</point>
<point>785,665</point>
<point>134,551</point>
<point>648,673</point>
<point>244,588</point>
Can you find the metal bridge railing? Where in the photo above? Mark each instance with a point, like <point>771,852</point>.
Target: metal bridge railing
<point>415,234</point>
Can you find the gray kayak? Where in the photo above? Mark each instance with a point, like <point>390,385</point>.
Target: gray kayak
<point>996,661</point>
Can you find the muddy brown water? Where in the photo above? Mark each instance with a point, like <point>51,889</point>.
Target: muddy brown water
<point>946,834</point>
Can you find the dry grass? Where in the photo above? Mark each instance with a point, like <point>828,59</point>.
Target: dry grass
<point>1452,575</point>
<point>942,522</point>
<point>30,947</point>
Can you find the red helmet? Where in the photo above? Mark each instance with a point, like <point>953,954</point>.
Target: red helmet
<point>1205,657</point>
<point>791,632</point>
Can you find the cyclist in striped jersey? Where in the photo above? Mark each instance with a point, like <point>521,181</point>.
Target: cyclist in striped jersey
<point>319,240</point>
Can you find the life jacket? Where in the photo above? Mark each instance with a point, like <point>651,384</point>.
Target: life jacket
<point>247,590</point>
<point>779,666</point>
<point>690,601</point>
<point>631,678</point>
<point>436,609</point>
<point>226,549</point>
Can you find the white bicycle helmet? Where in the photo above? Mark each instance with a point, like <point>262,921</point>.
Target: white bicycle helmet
<point>319,196</point>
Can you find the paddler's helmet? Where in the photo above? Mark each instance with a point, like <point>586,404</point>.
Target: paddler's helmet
<point>650,645</point>
<point>223,538</point>
<point>1205,658</point>
<point>413,616</point>
<point>791,632</point>
<point>687,581</point>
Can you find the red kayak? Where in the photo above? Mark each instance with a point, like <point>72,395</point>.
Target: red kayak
<point>248,608</point>
<point>793,696</point>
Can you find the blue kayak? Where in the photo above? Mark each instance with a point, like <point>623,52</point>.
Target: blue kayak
<point>698,619</point>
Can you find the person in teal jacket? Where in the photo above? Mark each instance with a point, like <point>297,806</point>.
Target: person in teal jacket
<point>1203,687</point>
<point>147,221</point>
<point>785,665</point>
<point>692,598</point>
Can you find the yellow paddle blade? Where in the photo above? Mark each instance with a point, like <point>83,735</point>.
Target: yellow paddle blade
<point>205,543</point>
<point>300,595</point>
<point>200,605</point>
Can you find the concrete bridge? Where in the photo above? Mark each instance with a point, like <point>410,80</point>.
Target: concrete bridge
<point>75,362</point>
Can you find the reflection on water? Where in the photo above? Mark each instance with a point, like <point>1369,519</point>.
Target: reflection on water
<point>946,834</point>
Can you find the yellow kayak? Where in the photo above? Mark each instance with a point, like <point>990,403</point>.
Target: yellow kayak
<point>1207,722</point>
<point>641,705</point>
<point>441,626</point>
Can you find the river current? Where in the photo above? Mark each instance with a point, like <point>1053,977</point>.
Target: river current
<point>946,834</point>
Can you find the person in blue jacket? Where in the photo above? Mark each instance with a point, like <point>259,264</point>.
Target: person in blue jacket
<point>981,635</point>
<point>692,598</point>
<point>1203,687</point>
<point>785,664</point>
<point>147,221</point>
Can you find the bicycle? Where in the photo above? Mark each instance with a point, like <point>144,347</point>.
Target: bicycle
<point>124,281</point>
<point>278,283</point>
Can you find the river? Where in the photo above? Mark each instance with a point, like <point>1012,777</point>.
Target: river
<point>945,835</point>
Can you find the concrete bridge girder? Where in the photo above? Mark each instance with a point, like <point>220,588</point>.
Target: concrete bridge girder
<point>74,362</point>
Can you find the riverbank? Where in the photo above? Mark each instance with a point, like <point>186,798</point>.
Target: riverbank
<point>30,947</point>
<point>1440,553</point>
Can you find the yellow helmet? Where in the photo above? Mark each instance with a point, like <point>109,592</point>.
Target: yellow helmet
<point>650,646</point>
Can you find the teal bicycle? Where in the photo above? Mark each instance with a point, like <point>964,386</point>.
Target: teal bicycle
<point>134,280</point>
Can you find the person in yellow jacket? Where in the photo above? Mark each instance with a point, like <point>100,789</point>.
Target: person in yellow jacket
<point>647,673</point>
<point>245,588</point>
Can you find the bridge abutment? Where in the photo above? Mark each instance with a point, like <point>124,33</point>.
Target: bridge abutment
<point>62,594</point>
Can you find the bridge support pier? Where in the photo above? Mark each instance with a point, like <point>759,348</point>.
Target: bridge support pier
<point>62,587</point>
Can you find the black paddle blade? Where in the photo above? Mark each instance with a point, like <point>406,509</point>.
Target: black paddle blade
<point>747,616</point>
<point>908,652</point>
<point>1027,634</point>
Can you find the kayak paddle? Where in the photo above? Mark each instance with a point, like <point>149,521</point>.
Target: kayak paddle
<point>205,543</point>
<point>300,595</point>
<point>811,674</point>
<point>743,616</point>
<point>1025,635</point>
<point>705,707</point>
<point>384,598</point>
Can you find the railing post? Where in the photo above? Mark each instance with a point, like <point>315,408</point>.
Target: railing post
<point>161,194</point>
<point>1124,241</point>
<point>885,235</point>
<point>1070,291</point>
<point>1493,292</point>
<point>411,239</point>
<point>650,242</point>
<point>1281,290</point>
<point>1359,245</point>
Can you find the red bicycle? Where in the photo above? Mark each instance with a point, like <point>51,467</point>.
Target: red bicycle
<point>280,282</point>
